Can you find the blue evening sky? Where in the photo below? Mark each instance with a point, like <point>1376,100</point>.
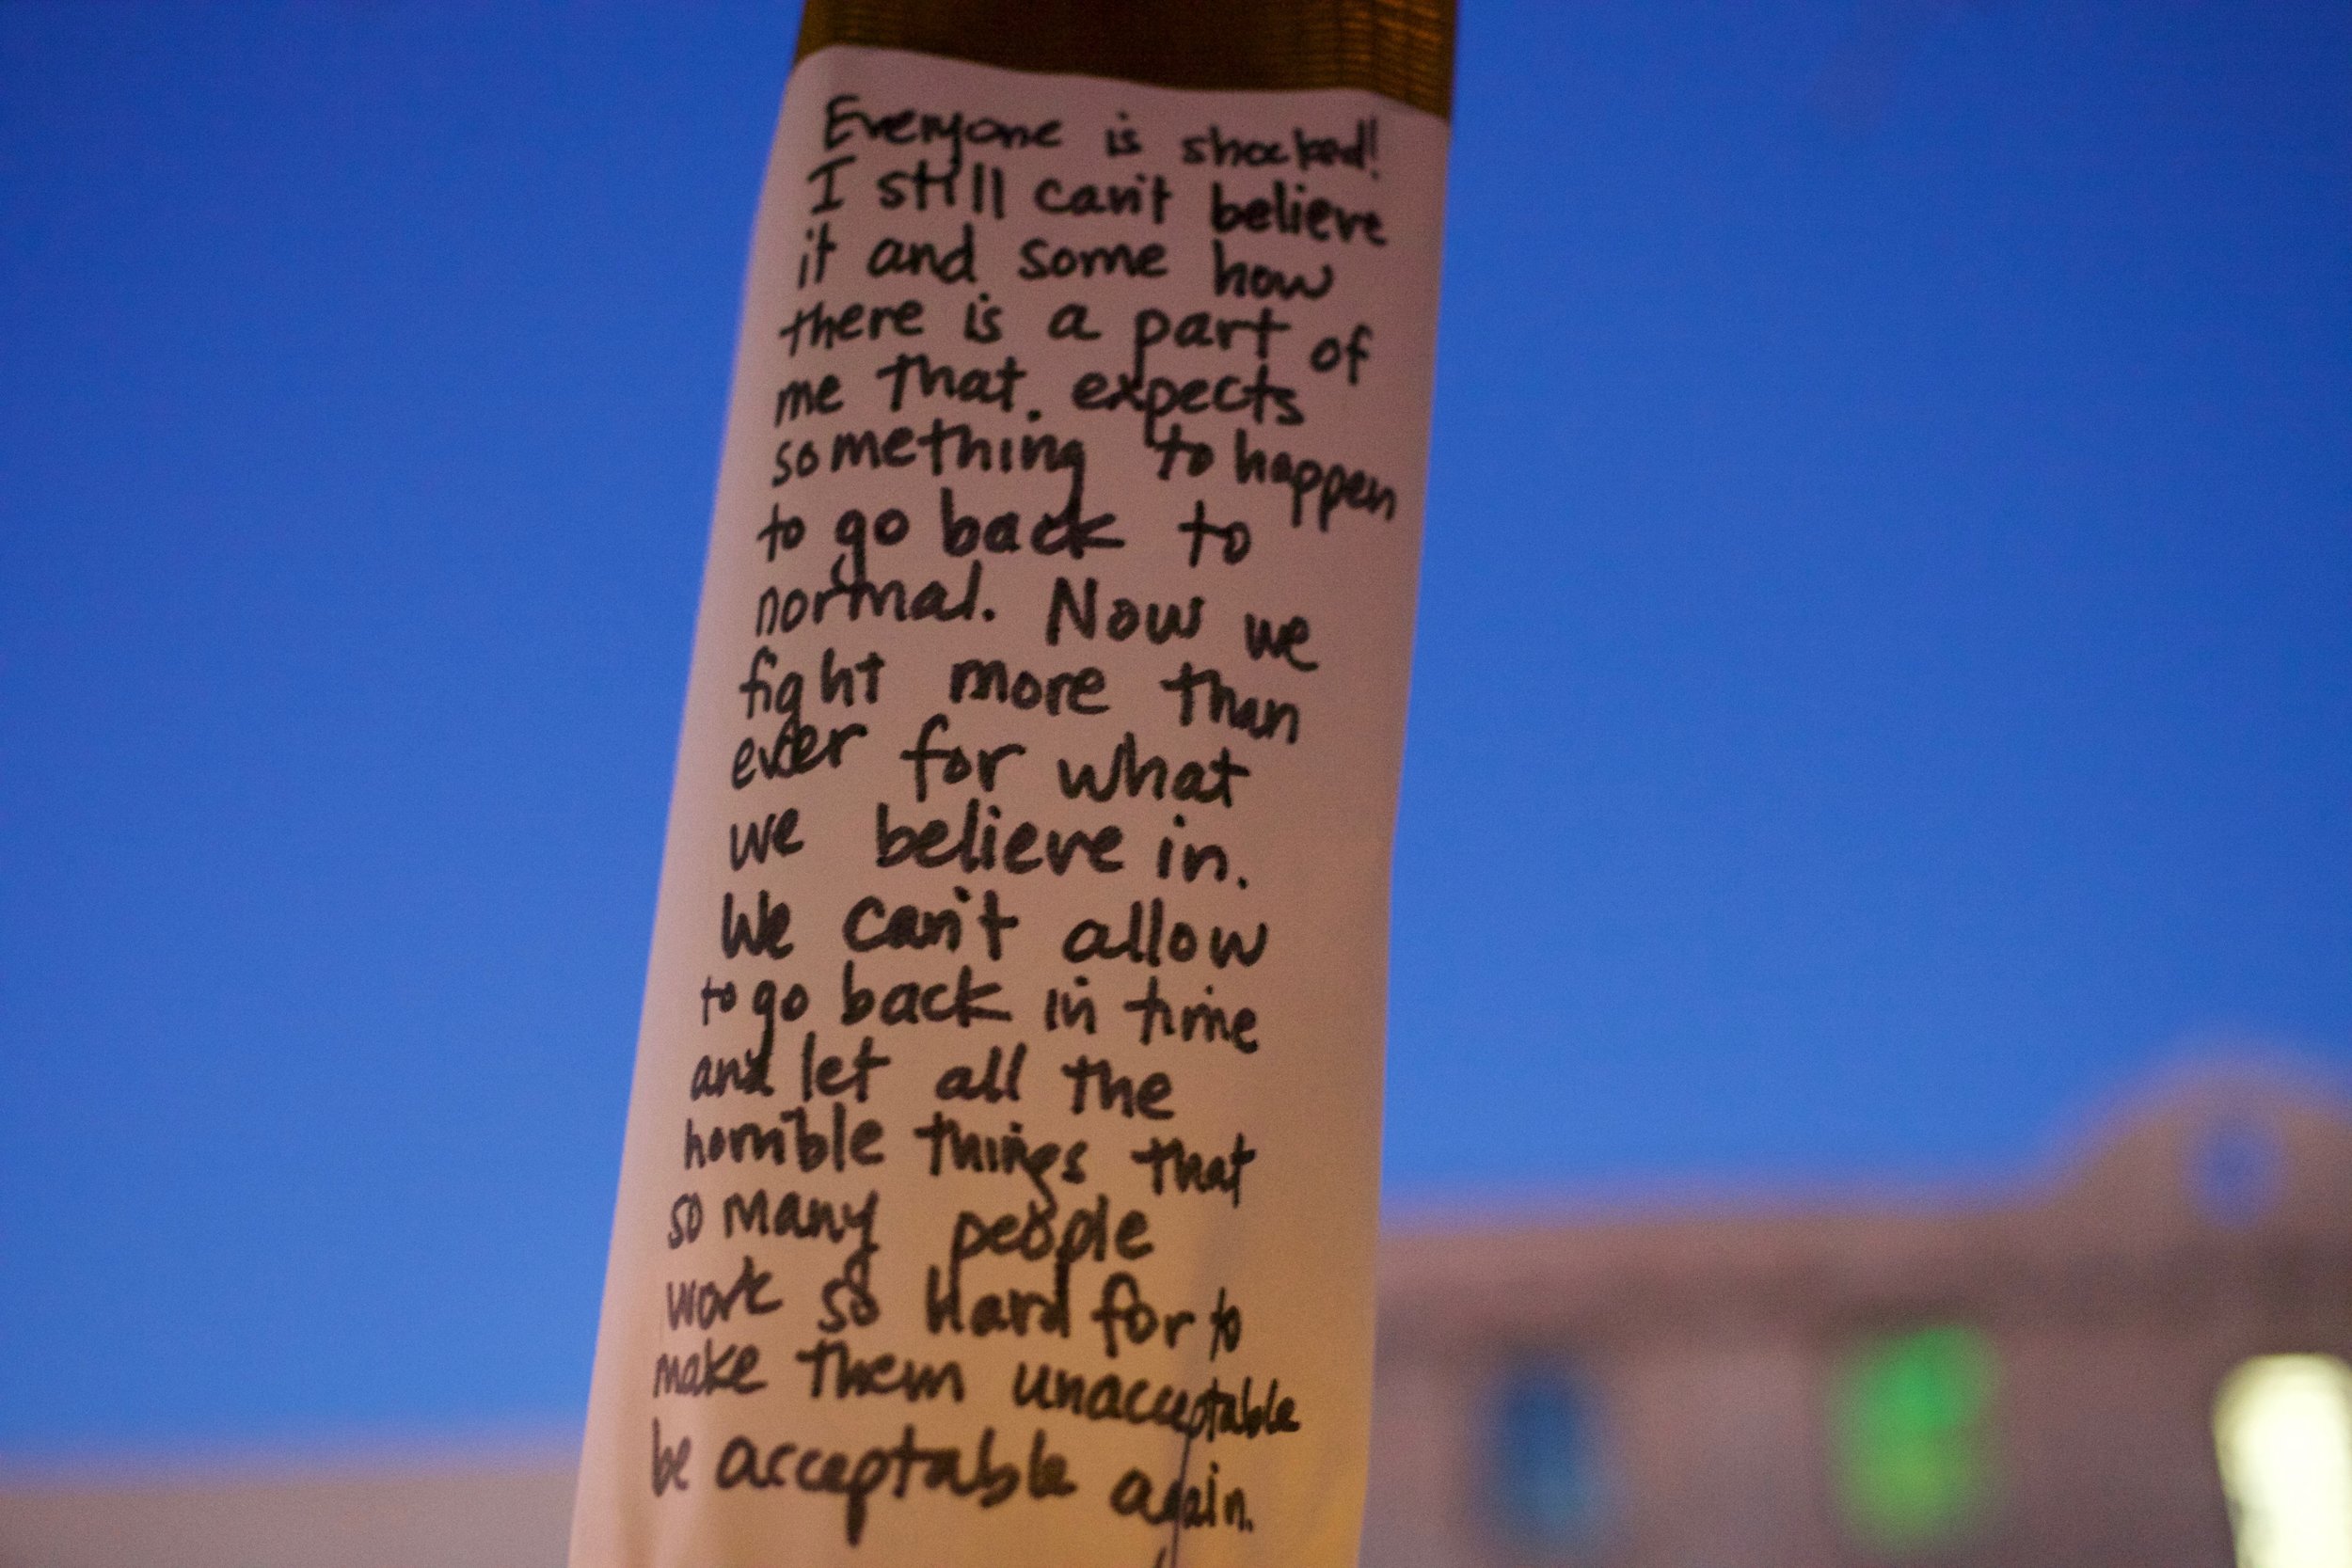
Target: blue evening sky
<point>1884,678</point>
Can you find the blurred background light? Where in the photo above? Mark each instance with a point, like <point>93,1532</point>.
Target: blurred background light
<point>2283,1426</point>
<point>1914,1442</point>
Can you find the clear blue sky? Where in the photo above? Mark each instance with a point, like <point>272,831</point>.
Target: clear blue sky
<point>1884,677</point>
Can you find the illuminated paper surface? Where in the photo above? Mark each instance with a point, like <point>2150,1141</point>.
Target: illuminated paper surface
<point>1001,1176</point>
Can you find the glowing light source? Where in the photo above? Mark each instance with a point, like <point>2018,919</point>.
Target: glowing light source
<point>1913,1443</point>
<point>2282,1429</point>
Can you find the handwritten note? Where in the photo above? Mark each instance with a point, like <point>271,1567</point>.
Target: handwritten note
<point>1002,1161</point>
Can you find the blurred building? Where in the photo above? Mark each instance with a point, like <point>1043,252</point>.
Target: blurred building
<point>2142,1364</point>
<point>2028,1384</point>
<point>508,1511</point>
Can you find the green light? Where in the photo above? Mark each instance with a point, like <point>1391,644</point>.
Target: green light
<point>1913,1449</point>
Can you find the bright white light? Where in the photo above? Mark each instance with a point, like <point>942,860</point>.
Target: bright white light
<point>2283,1428</point>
